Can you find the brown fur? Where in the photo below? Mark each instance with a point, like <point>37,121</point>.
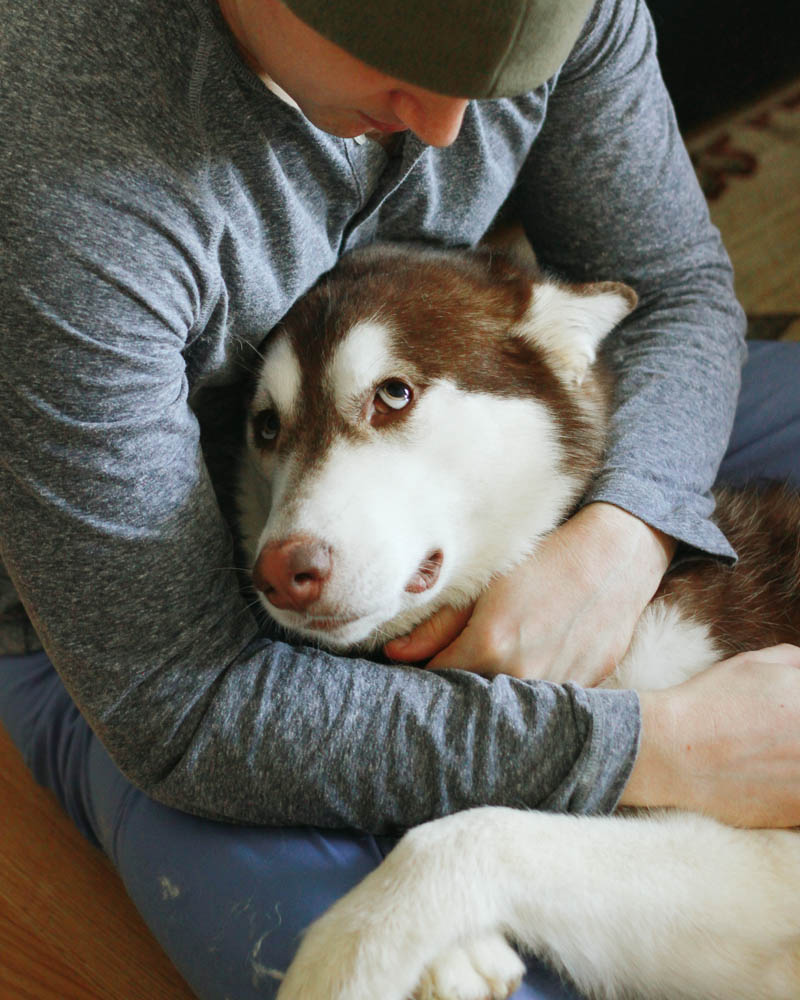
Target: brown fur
<point>755,603</point>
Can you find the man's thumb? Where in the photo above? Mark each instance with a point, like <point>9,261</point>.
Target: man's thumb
<point>431,636</point>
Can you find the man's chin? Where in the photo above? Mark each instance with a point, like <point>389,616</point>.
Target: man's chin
<point>349,126</point>
<point>341,126</point>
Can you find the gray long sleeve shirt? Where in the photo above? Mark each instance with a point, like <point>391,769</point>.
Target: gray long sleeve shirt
<point>160,210</point>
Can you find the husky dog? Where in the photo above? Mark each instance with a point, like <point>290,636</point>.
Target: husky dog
<point>421,420</point>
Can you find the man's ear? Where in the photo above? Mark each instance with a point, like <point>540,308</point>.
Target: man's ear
<point>569,321</point>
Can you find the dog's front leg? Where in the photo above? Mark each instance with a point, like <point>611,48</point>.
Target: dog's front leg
<point>663,907</point>
<point>404,930</point>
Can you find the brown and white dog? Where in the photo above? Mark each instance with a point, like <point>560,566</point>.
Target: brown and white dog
<point>421,419</point>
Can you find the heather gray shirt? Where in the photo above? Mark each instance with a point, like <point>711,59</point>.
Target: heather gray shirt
<point>160,210</point>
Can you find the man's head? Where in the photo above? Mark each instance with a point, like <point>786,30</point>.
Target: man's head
<point>391,66</point>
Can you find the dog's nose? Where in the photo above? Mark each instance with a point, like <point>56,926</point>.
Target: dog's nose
<point>291,573</point>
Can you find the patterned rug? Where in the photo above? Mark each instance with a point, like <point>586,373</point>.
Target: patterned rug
<point>748,164</point>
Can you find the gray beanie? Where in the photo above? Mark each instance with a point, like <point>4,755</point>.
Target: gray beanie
<point>463,48</point>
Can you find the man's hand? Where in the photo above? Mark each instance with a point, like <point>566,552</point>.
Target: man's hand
<point>566,613</point>
<point>726,742</point>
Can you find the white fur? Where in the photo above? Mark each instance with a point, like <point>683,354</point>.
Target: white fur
<point>466,971</point>
<point>363,359</point>
<point>570,327</point>
<point>279,384</point>
<point>471,464</point>
<point>667,648</point>
<point>670,906</point>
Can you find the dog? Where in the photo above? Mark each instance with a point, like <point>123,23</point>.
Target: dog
<point>422,418</point>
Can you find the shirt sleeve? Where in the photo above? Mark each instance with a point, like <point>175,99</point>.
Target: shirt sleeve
<point>111,533</point>
<point>609,193</point>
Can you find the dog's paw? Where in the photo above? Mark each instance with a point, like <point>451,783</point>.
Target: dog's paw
<point>486,968</point>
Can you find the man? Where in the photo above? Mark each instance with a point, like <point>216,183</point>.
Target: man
<point>177,175</point>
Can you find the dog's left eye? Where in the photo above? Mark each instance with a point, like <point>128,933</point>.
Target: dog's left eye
<point>266,427</point>
<point>393,394</point>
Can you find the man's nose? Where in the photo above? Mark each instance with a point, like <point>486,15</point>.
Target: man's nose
<point>434,118</point>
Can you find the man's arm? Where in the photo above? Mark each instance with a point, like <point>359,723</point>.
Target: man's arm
<point>725,743</point>
<point>609,192</point>
<point>111,533</point>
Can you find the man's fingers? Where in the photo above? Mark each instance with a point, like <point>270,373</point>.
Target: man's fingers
<point>431,636</point>
<point>784,654</point>
<point>454,656</point>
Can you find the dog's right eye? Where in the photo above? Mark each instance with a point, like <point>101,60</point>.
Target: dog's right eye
<point>392,395</point>
<point>266,427</point>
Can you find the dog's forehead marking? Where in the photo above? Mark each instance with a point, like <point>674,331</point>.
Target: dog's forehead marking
<point>363,357</point>
<point>279,384</point>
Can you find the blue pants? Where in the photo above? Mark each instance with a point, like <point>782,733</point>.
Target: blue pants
<point>228,903</point>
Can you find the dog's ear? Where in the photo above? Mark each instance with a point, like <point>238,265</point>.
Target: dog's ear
<point>569,321</point>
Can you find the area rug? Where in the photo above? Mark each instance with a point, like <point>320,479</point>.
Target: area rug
<point>748,164</point>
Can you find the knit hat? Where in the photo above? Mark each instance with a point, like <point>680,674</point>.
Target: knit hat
<point>463,48</point>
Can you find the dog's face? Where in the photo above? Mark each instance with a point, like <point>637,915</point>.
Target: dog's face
<point>420,420</point>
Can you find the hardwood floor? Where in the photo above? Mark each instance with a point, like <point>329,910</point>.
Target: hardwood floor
<point>67,928</point>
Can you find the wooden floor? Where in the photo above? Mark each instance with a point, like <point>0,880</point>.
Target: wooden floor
<point>67,929</point>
